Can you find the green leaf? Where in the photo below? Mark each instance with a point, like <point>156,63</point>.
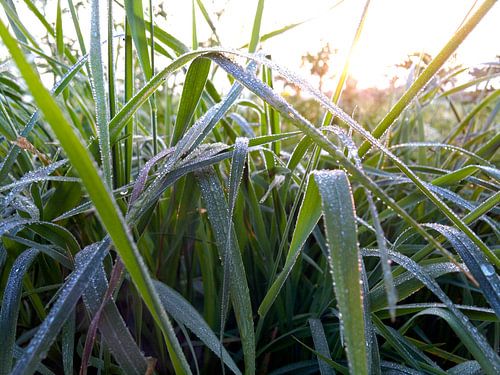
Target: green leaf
<point>10,308</point>
<point>218,214</point>
<point>345,262</point>
<point>193,87</point>
<point>135,18</point>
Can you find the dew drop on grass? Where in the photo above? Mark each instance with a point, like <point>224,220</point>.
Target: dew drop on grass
<point>487,269</point>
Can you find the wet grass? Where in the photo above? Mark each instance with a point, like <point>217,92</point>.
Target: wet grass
<point>152,221</point>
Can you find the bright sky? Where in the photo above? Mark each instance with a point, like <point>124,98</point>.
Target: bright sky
<point>394,28</point>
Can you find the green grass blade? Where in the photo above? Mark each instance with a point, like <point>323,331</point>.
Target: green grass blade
<point>193,87</point>
<point>111,325</point>
<point>105,205</point>
<point>184,313</point>
<point>97,76</point>
<point>429,72</point>
<point>68,297</point>
<point>482,351</point>
<point>218,215</point>
<point>10,308</point>
<point>478,265</point>
<point>254,39</point>
<point>135,18</point>
<point>321,346</point>
<point>344,259</point>
<point>308,216</point>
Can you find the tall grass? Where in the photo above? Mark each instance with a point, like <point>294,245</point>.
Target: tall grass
<point>153,222</point>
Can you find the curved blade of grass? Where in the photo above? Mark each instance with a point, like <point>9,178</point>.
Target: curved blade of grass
<point>183,312</point>
<point>406,284</point>
<point>429,72</point>
<point>10,308</point>
<point>482,351</point>
<point>193,87</point>
<point>321,346</point>
<point>467,338</point>
<point>98,89</point>
<point>345,262</point>
<point>69,295</point>
<point>478,265</point>
<point>289,112</point>
<point>218,214</point>
<point>105,205</point>
<point>111,325</point>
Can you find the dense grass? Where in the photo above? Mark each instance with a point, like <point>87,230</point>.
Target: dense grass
<point>151,224</point>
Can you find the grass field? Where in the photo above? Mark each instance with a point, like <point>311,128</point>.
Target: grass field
<point>153,221</point>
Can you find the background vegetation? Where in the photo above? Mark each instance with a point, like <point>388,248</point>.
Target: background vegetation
<point>153,221</point>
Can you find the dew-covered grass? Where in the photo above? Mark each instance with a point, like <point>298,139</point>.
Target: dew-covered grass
<point>153,221</point>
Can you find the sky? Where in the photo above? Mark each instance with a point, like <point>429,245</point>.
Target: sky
<point>393,29</point>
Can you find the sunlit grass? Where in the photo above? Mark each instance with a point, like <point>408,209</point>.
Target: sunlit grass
<point>153,221</point>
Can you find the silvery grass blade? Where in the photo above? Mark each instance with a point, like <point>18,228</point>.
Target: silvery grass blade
<point>183,312</point>
<point>54,252</point>
<point>321,345</point>
<point>379,233</point>
<point>99,93</point>
<point>237,166</point>
<point>3,256</point>
<point>59,87</point>
<point>18,353</point>
<point>391,368</point>
<point>467,367</point>
<point>268,94</point>
<point>92,256</point>
<point>476,262</point>
<point>445,146</point>
<point>68,343</point>
<point>242,123</point>
<point>406,284</point>
<point>10,307</point>
<point>345,262</point>
<point>38,175</point>
<point>481,350</point>
<point>106,207</point>
<point>371,336</point>
<point>111,325</point>
<point>218,214</point>
<point>194,84</point>
<point>466,337</point>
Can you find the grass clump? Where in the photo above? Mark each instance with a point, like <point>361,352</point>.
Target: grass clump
<point>151,226</point>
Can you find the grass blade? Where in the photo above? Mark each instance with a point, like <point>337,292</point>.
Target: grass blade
<point>184,313</point>
<point>69,295</point>
<point>321,346</point>
<point>218,215</point>
<point>10,308</point>
<point>344,259</point>
<point>193,87</point>
<point>105,205</point>
<point>429,72</point>
<point>97,79</point>
<point>478,265</point>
